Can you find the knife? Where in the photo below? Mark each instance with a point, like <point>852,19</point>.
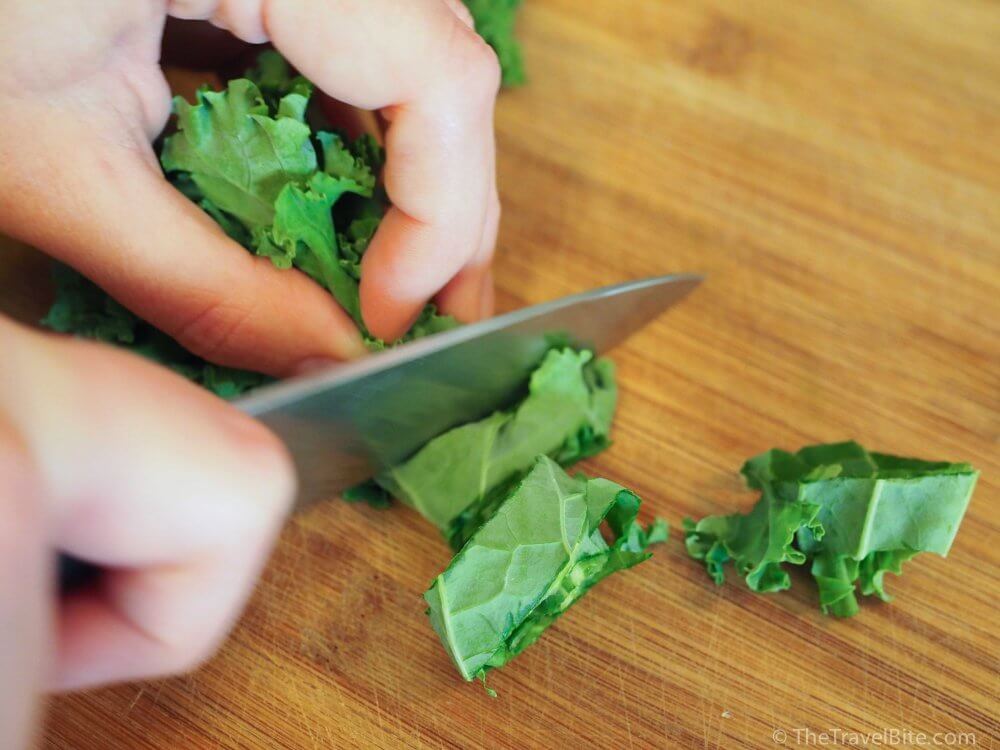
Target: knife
<point>345,423</point>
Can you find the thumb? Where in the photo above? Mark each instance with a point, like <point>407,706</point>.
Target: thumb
<point>105,209</point>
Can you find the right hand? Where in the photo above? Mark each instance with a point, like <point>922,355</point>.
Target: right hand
<point>122,463</point>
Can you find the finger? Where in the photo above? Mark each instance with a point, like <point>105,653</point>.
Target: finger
<point>104,208</point>
<point>183,518</point>
<point>436,88</point>
<point>413,259</point>
<point>154,621</point>
<point>469,296</point>
<point>458,8</point>
<point>24,592</point>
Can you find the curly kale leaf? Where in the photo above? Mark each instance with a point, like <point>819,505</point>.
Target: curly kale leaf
<point>252,157</point>
<point>81,308</point>
<point>456,480</point>
<point>854,515</point>
<point>530,561</point>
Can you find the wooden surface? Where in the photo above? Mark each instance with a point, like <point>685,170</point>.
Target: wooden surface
<point>834,168</point>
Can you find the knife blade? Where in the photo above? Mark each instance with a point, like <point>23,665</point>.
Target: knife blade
<point>345,423</point>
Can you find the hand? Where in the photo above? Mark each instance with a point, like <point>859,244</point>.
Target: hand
<point>122,463</point>
<point>118,462</point>
<point>82,94</point>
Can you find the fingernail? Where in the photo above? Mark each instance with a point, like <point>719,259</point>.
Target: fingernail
<point>396,334</point>
<point>355,347</point>
<point>348,344</point>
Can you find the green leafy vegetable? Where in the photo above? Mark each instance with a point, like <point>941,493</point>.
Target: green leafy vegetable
<point>527,534</point>
<point>530,561</point>
<point>494,21</point>
<point>274,77</point>
<point>250,158</point>
<point>457,479</point>
<point>253,158</point>
<point>83,309</point>
<point>369,493</point>
<point>852,514</point>
<point>758,542</point>
<point>240,153</point>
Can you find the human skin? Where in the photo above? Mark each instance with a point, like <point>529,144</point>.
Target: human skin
<point>114,460</point>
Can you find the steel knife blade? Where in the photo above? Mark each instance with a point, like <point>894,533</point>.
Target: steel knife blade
<point>343,424</point>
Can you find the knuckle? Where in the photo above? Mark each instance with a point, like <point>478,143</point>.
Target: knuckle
<point>486,67</point>
<point>188,656</point>
<point>477,64</point>
<point>258,503</point>
<point>277,479</point>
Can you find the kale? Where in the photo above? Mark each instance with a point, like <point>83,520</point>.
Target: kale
<point>854,515</point>
<point>304,197</point>
<point>457,479</point>
<point>83,309</point>
<point>530,561</point>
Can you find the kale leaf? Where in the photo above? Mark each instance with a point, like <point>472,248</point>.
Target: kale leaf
<point>457,479</point>
<point>530,561</point>
<point>853,515</point>
<point>253,158</point>
<point>83,309</point>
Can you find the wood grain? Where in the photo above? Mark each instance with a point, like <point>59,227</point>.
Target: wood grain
<point>834,168</point>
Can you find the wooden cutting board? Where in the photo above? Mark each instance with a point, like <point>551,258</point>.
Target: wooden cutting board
<point>834,168</point>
